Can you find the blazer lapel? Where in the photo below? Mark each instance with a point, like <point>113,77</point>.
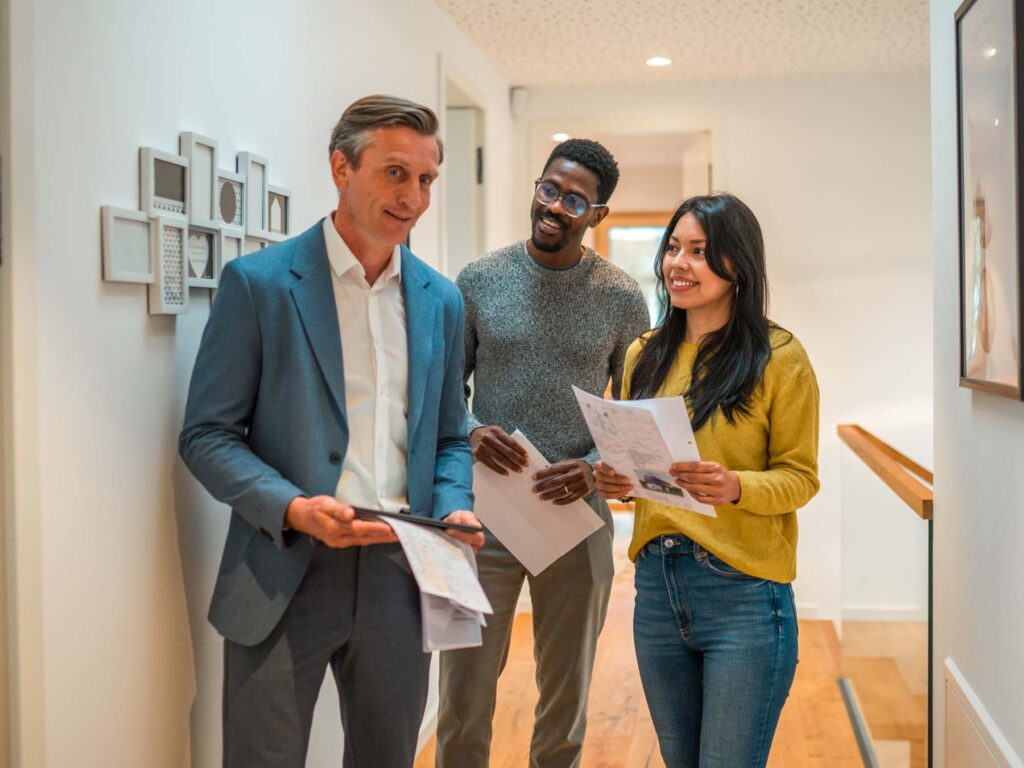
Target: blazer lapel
<point>420,309</point>
<point>313,295</point>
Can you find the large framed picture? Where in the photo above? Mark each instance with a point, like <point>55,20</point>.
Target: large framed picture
<point>989,141</point>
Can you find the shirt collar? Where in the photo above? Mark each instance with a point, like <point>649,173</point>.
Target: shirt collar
<point>343,260</point>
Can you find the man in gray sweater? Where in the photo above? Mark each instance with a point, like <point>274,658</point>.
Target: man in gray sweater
<point>542,315</point>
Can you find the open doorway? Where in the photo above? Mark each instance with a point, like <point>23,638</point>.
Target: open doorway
<point>657,171</point>
<point>463,187</point>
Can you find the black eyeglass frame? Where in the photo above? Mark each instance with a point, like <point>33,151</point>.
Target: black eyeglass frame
<point>564,198</point>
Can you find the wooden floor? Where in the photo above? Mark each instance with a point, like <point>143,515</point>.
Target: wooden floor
<point>814,729</point>
<point>888,664</point>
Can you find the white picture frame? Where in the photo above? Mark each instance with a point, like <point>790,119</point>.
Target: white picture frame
<point>127,245</point>
<point>254,169</point>
<point>231,201</point>
<point>204,257</point>
<point>231,247</point>
<point>232,244</point>
<point>253,244</point>
<point>279,201</point>
<point>201,152</point>
<point>164,184</point>
<point>168,293</point>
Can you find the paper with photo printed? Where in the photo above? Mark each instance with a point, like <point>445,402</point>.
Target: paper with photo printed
<point>641,439</point>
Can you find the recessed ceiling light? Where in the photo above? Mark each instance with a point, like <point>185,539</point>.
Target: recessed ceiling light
<point>560,137</point>
<point>659,61</point>
<point>990,52</point>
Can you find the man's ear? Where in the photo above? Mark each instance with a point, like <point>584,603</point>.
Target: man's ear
<point>340,169</point>
<point>598,217</point>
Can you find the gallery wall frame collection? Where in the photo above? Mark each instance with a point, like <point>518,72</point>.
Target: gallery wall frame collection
<point>990,151</point>
<point>193,218</point>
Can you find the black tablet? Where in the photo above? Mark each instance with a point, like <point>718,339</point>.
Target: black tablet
<point>430,522</point>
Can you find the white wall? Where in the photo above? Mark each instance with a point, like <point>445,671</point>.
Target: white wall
<point>114,547</point>
<point>979,468</point>
<point>878,527</point>
<point>6,487</point>
<point>837,172</point>
<point>648,187</point>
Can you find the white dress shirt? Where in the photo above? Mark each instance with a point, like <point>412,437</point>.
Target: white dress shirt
<point>374,349</point>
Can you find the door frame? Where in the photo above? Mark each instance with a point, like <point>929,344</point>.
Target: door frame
<point>627,219</point>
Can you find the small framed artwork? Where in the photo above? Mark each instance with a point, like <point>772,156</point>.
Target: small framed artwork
<point>168,293</point>
<point>203,258</point>
<point>990,144</point>
<point>231,199</point>
<point>278,222</point>
<point>164,183</point>
<point>202,174</point>
<point>231,247</point>
<point>253,244</point>
<point>127,245</point>
<point>254,169</point>
<point>232,244</point>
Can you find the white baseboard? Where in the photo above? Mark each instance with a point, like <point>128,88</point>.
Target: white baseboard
<point>984,729</point>
<point>808,610</point>
<point>884,613</point>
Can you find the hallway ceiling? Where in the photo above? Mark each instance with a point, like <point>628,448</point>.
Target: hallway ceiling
<point>591,42</point>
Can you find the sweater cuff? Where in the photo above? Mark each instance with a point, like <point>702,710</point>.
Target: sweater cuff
<point>753,498</point>
<point>472,422</point>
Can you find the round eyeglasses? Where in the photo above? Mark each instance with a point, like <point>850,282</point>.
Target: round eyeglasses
<point>574,205</point>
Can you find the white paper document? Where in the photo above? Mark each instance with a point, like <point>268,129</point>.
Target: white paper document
<point>452,601</point>
<point>447,626</point>
<point>537,532</point>
<point>641,439</point>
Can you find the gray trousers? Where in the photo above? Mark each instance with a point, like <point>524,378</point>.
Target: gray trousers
<point>358,612</point>
<point>570,600</point>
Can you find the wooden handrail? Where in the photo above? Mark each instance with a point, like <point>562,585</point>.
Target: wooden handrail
<point>892,467</point>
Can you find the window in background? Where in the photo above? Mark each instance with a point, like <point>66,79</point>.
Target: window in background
<point>630,241</point>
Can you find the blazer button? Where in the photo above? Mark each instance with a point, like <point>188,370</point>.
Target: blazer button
<point>334,458</point>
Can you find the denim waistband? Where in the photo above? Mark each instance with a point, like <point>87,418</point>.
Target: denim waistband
<point>669,543</point>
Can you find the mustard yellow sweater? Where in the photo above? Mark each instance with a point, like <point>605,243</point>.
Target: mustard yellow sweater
<point>774,451</point>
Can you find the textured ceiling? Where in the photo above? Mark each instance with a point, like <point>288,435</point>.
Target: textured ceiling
<point>590,42</point>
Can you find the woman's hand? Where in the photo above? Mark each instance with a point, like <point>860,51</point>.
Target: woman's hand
<point>610,484</point>
<point>707,481</point>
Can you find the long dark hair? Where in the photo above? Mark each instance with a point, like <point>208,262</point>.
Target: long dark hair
<point>730,361</point>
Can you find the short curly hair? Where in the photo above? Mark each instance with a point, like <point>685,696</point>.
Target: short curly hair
<point>592,156</point>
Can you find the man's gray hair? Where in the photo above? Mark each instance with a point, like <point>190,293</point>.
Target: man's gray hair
<point>354,129</point>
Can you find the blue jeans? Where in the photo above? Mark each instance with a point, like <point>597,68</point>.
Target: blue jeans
<point>717,651</point>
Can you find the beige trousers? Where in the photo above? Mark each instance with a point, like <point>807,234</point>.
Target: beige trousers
<point>570,600</point>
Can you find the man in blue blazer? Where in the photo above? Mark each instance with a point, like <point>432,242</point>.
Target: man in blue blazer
<point>330,376</point>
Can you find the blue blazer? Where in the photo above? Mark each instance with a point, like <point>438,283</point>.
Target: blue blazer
<point>265,419</point>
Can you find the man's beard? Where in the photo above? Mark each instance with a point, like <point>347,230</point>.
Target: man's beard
<point>548,246</point>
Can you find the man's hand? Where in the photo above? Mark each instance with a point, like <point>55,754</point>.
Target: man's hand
<point>707,481</point>
<point>497,450</point>
<point>465,517</point>
<point>610,484</point>
<point>334,523</point>
<point>564,482</point>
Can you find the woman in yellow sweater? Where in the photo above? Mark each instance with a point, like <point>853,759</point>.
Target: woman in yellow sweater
<point>714,624</point>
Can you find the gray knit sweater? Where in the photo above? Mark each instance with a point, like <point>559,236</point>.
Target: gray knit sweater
<point>533,332</point>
